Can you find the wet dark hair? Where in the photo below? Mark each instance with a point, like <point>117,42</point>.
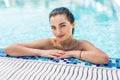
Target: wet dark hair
<point>66,11</point>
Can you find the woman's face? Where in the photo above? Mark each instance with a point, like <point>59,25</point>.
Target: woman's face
<point>61,27</point>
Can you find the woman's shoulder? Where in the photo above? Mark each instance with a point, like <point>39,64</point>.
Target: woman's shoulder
<point>84,43</point>
<point>45,40</point>
<point>49,41</point>
<point>41,41</point>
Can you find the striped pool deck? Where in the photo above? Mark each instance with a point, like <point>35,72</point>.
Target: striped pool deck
<point>40,68</point>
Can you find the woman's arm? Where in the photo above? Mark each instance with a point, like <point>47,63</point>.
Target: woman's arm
<point>35,48</point>
<point>26,49</point>
<point>93,54</point>
<point>21,50</point>
<point>90,53</point>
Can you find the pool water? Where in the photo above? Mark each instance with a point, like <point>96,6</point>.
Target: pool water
<point>27,20</point>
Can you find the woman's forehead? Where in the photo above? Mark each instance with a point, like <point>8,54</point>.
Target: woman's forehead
<point>58,19</point>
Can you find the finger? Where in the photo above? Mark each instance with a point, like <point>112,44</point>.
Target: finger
<point>60,51</point>
<point>56,54</point>
<point>63,53</point>
<point>54,57</point>
<point>63,56</point>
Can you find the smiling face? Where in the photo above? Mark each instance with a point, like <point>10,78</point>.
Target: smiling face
<point>61,27</point>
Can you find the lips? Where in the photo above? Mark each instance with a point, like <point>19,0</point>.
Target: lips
<point>60,36</point>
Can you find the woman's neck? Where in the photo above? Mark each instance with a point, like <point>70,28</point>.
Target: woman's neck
<point>66,42</point>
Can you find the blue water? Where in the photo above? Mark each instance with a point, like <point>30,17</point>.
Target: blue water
<point>27,20</point>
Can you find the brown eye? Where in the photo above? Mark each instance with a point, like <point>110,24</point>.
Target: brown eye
<point>53,27</point>
<point>63,25</point>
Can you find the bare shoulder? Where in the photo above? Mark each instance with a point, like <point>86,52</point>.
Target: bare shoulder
<point>86,45</point>
<point>38,43</point>
<point>85,42</point>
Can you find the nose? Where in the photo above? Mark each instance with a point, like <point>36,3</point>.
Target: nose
<point>58,31</point>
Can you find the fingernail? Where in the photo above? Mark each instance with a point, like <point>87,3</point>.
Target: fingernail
<point>63,53</point>
<point>55,58</point>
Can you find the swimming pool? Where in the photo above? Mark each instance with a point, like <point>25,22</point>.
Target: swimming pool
<point>27,20</point>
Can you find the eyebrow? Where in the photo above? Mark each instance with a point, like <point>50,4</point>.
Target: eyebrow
<point>62,23</point>
<point>59,24</point>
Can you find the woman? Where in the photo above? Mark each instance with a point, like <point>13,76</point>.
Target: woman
<point>63,45</point>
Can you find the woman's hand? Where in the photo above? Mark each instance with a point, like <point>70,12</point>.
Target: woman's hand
<point>52,53</point>
<point>67,54</point>
<point>57,54</point>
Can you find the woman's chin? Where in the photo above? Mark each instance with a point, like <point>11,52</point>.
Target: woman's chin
<point>60,39</point>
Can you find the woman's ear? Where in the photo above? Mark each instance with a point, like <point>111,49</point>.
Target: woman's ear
<point>73,24</point>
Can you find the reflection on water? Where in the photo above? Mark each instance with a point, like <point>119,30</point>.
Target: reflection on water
<point>27,20</point>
